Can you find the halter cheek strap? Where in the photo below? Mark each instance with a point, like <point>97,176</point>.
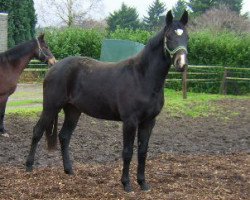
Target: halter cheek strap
<point>40,49</point>
<point>172,52</point>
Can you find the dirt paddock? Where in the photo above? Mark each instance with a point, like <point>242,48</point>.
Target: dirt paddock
<point>188,158</point>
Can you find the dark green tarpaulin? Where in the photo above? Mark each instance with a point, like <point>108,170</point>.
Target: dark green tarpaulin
<point>116,50</point>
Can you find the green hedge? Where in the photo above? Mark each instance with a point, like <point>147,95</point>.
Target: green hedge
<point>75,41</point>
<point>224,48</point>
<point>140,36</point>
<point>205,48</point>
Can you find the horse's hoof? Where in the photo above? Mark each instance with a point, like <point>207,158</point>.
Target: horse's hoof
<point>69,172</point>
<point>144,187</point>
<point>128,188</point>
<point>29,168</point>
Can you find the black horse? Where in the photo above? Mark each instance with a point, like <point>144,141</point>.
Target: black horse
<point>131,91</point>
<point>13,62</point>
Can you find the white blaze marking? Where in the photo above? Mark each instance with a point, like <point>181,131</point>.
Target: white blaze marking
<point>179,32</point>
<point>182,60</point>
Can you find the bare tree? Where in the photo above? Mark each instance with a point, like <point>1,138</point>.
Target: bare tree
<point>221,18</point>
<point>91,23</point>
<point>68,12</point>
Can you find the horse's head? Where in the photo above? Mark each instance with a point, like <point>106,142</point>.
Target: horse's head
<point>43,52</point>
<point>176,40</point>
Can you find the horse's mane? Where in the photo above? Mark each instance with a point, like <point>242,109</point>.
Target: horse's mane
<point>152,44</point>
<point>157,40</point>
<point>17,51</point>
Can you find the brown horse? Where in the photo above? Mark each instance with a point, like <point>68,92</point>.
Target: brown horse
<point>131,91</point>
<point>13,62</point>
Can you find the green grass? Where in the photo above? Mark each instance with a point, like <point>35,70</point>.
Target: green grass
<point>25,112</point>
<point>27,94</point>
<point>24,107</point>
<point>24,102</point>
<point>196,105</point>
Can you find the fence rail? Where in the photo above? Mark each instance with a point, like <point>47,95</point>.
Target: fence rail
<point>240,79</point>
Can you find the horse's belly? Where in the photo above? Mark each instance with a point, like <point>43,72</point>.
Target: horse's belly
<point>98,108</point>
<point>8,83</point>
<point>3,99</point>
<point>106,116</point>
<point>101,113</point>
<point>6,91</point>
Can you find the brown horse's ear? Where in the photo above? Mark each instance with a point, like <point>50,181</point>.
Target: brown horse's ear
<point>184,18</point>
<point>169,18</point>
<point>41,36</point>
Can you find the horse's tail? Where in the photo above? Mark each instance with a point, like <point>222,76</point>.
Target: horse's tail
<point>51,134</point>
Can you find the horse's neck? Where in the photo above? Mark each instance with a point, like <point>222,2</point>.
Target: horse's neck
<point>20,56</point>
<point>154,63</point>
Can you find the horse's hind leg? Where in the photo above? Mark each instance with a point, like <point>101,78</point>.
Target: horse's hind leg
<point>45,120</point>
<point>71,118</point>
<point>144,132</point>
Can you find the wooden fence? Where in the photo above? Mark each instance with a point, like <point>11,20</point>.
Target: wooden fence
<point>227,78</point>
<point>222,76</point>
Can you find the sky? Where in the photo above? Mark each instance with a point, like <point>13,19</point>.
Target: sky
<point>109,6</point>
<point>140,5</point>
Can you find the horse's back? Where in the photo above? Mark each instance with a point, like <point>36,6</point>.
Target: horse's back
<point>85,83</point>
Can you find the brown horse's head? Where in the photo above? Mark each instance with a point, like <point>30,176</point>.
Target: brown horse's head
<point>43,52</point>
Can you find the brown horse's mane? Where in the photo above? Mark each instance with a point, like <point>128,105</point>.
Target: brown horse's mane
<point>17,51</point>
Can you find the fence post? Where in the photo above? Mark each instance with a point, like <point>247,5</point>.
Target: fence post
<point>184,83</point>
<point>223,89</point>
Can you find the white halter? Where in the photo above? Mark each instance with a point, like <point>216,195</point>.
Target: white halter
<point>172,52</point>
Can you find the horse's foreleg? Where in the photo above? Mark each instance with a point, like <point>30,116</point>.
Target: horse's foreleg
<point>71,118</point>
<point>129,131</point>
<point>44,121</point>
<point>2,113</point>
<point>144,132</point>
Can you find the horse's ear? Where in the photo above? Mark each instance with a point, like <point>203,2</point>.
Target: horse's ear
<point>41,36</point>
<point>184,18</point>
<point>169,18</point>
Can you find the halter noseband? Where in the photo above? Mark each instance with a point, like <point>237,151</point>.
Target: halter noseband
<point>171,53</point>
<point>40,49</point>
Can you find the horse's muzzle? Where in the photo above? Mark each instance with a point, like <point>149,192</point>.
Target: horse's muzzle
<point>180,62</point>
<point>52,61</point>
<point>182,69</point>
